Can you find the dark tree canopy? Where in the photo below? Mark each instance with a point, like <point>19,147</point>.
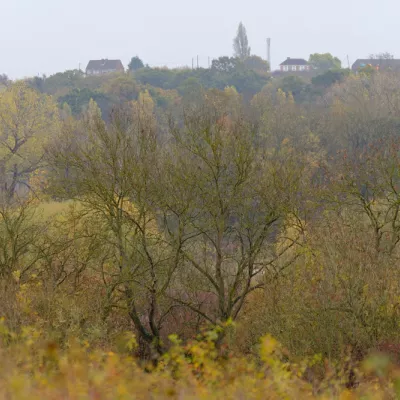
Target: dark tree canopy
<point>328,78</point>
<point>224,64</point>
<point>78,99</point>
<point>293,84</point>
<point>136,63</point>
<point>256,63</point>
<point>4,80</point>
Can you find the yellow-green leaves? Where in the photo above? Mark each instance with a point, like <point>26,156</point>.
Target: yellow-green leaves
<point>27,120</point>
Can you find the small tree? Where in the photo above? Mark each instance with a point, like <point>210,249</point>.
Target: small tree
<point>324,61</point>
<point>257,64</point>
<point>241,44</point>
<point>136,63</point>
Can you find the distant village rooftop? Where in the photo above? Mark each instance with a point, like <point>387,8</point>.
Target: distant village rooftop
<point>378,63</point>
<point>105,66</point>
<point>294,61</point>
<point>295,64</point>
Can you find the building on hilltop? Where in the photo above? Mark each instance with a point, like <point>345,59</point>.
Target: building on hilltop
<point>377,63</point>
<point>295,64</point>
<point>101,67</point>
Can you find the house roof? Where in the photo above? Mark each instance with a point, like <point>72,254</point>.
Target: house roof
<point>382,63</point>
<point>294,61</point>
<point>104,65</point>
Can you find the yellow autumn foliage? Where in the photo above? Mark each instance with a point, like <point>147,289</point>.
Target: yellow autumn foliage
<point>34,367</point>
<point>27,121</point>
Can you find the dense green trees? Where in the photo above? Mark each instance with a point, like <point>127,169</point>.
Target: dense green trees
<point>78,99</point>
<point>224,72</point>
<point>224,64</point>
<point>256,63</point>
<point>294,85</point>
<point>328,78</point>
<point>324,62</point>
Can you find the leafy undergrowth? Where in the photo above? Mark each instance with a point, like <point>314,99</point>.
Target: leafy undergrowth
<point>34,368</point>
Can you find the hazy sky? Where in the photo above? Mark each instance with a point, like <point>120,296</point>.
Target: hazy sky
<point>47,36</point>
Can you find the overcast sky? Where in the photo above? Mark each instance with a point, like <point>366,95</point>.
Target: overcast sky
<point>47,36</point>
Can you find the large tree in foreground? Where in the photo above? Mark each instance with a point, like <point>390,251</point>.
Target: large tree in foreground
<point>241,43</point>
<point>224,203</point>
<point>193,224</point>
<point>109,169</point>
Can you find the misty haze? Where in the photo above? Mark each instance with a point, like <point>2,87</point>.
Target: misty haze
<point>199,201</point>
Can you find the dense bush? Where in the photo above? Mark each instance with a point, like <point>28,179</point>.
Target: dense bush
<point>33,367</point>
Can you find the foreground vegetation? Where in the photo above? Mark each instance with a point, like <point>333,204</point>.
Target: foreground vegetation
<point>33,368</point>
<point>220,245</point>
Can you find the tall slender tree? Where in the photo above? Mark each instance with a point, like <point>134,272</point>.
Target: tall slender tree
<point>241,43</point>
